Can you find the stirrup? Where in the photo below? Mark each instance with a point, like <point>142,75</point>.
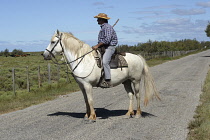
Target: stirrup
<point>105,84</point>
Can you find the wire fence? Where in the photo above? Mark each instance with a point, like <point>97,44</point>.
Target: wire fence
<point>27,78</point>
<point>172,54</point>
<point>33,77</point>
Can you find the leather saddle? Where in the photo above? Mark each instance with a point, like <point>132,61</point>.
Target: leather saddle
<point>117,60</point>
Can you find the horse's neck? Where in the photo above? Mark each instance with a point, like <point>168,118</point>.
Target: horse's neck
<point>74,59</point>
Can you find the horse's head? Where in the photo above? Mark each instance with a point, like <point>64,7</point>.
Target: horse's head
<point>55,46</point>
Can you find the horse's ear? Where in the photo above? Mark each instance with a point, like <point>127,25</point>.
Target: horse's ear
<point>58,32</point>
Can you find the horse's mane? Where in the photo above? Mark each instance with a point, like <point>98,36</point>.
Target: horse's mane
<point>70,35</point>
<point>75,45</point>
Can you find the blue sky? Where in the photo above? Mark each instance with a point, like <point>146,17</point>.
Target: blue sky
<point>29,24</point>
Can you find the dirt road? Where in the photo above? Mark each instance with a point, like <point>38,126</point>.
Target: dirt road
<point>179,82</point>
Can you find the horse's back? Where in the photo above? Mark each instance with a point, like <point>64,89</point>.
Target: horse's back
<point>134,60</point>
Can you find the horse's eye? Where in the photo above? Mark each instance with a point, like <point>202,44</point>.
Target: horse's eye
<point>52,42</point>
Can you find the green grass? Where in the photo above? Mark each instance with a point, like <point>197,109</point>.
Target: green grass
<point>200,126</point>
<point>10,102</point>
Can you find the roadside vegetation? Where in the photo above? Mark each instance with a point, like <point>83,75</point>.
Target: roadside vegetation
<point>200,126</point>
<point>61,82</point>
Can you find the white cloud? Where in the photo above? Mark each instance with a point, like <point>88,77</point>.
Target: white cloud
<point>164,6</point>
<point>174,21</point>
<point>101,4</point>
<point>183,12</point>
<point>35,45</point>
<point>204,4</point>
<point>98,3</point>
<point>171,29</point>
<point>149,12</point>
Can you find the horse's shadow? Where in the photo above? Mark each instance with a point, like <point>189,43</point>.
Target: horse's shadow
<point>102,113</point>
<point>206,56</point>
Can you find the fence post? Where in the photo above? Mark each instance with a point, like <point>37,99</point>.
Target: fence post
<point>67,75</point>
<point>49,74</point>
<point>39,77</point>
<point>13,80</point>
<point>28,84</point>
<point>58,69</point>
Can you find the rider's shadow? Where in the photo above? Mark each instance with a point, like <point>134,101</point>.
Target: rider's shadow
<point>102,113</point>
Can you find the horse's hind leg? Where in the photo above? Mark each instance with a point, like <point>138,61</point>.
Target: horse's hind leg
<point>136,85</point>
<point>128,88</point>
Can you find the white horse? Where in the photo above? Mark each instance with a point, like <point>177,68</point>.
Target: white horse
<point>81,61</point>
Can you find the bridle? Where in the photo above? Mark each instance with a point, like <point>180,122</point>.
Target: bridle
<point>57,62</point>
<point>51,52</point>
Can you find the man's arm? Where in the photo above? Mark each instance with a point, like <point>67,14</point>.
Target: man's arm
<point>98,45</point>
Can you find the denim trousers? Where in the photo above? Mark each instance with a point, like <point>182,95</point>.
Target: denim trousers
<point>109,51</point>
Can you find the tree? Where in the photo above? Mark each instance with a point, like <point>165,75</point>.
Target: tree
<point>17,52</point>
<point>6,52</point>
<point>208,30</point>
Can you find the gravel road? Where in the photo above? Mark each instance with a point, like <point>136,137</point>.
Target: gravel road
<point>179,82</point>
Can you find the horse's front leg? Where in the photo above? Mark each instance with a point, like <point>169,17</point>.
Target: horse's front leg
<point>86,101</point>
<point>88,95</point>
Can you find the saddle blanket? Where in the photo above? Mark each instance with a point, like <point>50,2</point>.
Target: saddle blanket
<point>117,61</point>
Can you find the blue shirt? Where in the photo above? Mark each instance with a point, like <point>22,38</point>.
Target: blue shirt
<point>107,35</point>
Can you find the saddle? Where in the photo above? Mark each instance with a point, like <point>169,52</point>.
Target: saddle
<point>117,60</point>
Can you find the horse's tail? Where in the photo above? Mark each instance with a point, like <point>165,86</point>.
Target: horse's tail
<point>149,84</point>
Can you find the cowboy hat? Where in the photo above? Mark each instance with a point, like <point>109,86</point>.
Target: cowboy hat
<point>102,15</point>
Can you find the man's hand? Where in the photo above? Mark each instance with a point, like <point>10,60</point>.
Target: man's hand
<point>98,45</point>
<point>95,47</point>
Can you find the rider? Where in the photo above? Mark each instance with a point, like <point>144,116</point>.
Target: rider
<point>107,38</point>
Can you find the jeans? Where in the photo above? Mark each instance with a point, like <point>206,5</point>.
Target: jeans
<point>109,51</point>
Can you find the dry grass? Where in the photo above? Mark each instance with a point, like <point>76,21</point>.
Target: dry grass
<point>200,126</point>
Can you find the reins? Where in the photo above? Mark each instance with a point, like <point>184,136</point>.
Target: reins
<point>74,75</point>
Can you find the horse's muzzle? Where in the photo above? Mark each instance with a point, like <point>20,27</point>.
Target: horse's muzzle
<point>47,57</point>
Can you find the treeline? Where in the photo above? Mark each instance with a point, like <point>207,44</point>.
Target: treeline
<point>162,46</point>
<point>148,47</point>
<point>14,52</point>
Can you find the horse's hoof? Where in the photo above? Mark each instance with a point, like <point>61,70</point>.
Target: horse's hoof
<point>138,116</point>
<point>90,121</point>
<point>85,119</point>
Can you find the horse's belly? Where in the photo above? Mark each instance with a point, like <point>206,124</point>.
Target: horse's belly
<point>119,75</point>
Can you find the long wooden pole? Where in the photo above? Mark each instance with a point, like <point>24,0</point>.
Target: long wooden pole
<point>116,22</point>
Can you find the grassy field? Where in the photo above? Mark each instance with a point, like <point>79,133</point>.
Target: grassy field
<point>200,126</point>
<point>61,82</point>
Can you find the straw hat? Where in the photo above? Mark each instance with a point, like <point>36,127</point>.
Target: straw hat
<point>102,15</point>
